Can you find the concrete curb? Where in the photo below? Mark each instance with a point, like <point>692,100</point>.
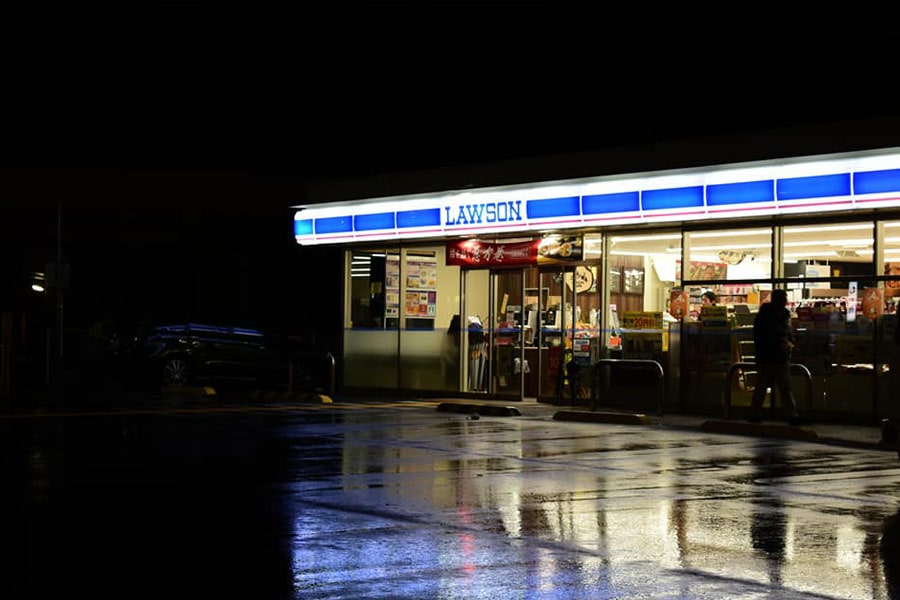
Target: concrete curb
<point>759,430</point>
<point>277,396</point>
<point>480,409</point>
<point>602,417</point>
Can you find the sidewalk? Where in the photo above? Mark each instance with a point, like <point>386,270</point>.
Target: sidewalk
<point>860,436</point>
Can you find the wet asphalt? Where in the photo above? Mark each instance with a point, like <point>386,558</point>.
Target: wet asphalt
<point>306,497</point>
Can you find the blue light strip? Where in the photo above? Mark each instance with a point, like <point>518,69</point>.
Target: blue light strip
<point>740,193</point>
<point>553,207</point>
<point>486,211</point>
<point>610,203</point>
<point>688,197</point>
<point>419,218</point>
<point>373,222</point>
<point>877,182</point>
<point>819,186</point>
<point>334,225</point>
<point>303,227</point>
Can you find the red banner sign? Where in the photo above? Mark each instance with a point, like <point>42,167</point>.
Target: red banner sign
<point>476,253</point>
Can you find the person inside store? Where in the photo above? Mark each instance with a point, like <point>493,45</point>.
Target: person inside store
<point>773,341</point>
<point>708,298</point>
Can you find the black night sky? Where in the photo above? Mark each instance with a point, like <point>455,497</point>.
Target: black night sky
<point>175,135</point>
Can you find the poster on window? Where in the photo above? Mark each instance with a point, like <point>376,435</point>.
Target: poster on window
<point>873,302</point>
<point>892,287</point>
<point>392,286</point>
<point>421,304</point>
<point>678,303</point>
<point>421,287</point>
<point>421,274</point>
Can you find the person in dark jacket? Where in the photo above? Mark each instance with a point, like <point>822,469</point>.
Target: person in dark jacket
<point>772,345</point>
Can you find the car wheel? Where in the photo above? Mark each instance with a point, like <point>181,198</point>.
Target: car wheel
<point>176,372</point>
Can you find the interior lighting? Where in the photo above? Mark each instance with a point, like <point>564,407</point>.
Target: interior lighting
<point>825,254</point>
<point>629,253</point>
<point>732,247</point>
<point>864,242</point>
<point>851,227</point>
<point>646,238</point>
<point>730,234</point>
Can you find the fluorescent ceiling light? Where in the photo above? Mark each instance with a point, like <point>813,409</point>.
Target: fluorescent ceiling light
<point>635,253</point>
<point>810,254</point>
<point>817,229</point>
<point>730,234</point>
<point>731,247</point>
<point>862,242</point>
<point>645,238</point>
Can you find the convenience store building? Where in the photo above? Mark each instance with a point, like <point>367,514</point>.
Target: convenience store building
<point>525,290</point>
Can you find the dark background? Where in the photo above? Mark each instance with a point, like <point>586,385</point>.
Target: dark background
<point>158,146</point>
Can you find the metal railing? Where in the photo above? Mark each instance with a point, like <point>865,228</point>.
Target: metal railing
<point>751,366</point>
<point>600,377</point>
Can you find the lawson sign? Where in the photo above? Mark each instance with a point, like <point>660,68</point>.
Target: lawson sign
<point>847,182</point>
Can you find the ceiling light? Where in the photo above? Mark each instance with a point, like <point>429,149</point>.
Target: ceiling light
<point>851,227</point>
<point>730,234</point>
<point>646,238</point>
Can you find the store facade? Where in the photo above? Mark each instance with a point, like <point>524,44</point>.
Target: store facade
<point>528,291</point>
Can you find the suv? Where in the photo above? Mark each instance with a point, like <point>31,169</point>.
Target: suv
<point>177,355</point>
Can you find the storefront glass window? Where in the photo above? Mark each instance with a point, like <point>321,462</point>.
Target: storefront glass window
<point>821,252</point>
<point>402,324</point>
<point>725,254</point>
<point>891,266</point>
<point>644,290</point>
<point>642,269</point>
<point>837,308</point>
<point>429,320</point>
<point>372,318</point>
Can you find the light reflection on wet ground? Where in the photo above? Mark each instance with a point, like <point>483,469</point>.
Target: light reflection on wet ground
<point>349,502</point>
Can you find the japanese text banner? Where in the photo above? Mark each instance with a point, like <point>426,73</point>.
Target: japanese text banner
<point>476,253</point>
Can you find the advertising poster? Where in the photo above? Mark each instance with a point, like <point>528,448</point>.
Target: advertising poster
<point>421,304</point>
<point>638,319</point>
<point>892,287</point>
<point>643,336</point>
<point>873,302</point>
<point>421,287</point>
<point>560,248</point>
<point>392,286</point>
<point>470,253</point>
<point>699,270</point>
<point>851,301</point>
<point>714,316</point>
<point>678,303</point>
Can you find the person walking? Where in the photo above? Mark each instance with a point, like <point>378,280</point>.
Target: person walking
<point>773,342</point>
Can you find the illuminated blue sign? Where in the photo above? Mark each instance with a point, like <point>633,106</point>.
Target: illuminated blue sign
<point>839,182</point>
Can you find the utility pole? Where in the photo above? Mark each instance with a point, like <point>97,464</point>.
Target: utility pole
<point>61,271</point>
<point>61,277</point>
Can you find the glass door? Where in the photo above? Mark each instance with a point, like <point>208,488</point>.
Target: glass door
<point>569,333</point>
<point>508,363</point>
<point>526,330</point>
<point>475,329</point>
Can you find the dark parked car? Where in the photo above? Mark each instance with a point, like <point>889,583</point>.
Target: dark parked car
<point>176,355</point>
